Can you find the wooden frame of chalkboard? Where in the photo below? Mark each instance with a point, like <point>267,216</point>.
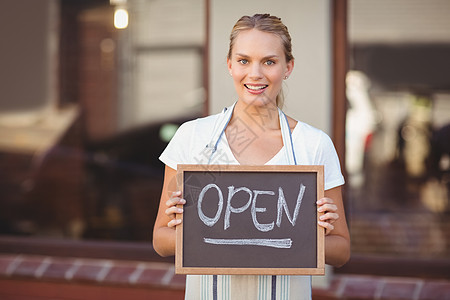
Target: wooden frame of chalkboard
<point>259,220</point>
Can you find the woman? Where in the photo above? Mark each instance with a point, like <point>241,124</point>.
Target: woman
<point>254,131</point>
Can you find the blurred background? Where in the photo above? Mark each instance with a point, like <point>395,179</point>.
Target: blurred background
<point>91,92</point>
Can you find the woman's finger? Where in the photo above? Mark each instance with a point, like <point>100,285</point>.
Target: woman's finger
<point>328,227</point>
<point>174,223</point>
<point>329,217</point>
<point>175,199</point>
<point>174,210</point>
<point>326,204</point>
<point>327,208</point>
<point>324,200</point>
<point>175,202</point>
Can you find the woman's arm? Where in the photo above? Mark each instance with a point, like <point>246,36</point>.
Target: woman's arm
<point>164,229</point>
<point>337,238</point>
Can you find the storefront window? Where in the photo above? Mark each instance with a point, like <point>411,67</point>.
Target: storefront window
<point>397,131</point>
<point>84,164</point>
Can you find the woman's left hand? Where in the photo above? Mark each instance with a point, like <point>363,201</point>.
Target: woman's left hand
<point>327,206</point>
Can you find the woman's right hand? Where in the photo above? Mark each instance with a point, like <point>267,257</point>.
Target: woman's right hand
<point>173,210</point>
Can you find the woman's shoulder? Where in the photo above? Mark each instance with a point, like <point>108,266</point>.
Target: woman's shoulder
<point>189,141</point>
<point>300,127</point>
<point>202,123</point>
<point>198,129</point>
<point>305,132</point>
<point>305,128</point>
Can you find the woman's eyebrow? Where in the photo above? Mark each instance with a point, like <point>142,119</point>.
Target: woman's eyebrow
<point>242,55</point>
<point>264,58</point>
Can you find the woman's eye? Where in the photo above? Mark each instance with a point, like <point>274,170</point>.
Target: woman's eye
<point>243,61</point>
<point>270,62</point>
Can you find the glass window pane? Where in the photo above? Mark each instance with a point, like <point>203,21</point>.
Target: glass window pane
<point>397,131</point>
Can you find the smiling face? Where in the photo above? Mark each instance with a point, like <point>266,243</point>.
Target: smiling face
<point>258,66</point>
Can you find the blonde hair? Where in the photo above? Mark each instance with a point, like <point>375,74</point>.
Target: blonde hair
<point>265,23</point>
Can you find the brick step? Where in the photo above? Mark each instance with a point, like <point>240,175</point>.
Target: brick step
<point>135,274</point>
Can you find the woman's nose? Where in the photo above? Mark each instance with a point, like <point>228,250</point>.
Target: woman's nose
<point>255,71</point>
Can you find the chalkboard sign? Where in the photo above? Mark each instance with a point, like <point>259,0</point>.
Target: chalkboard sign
<point>250,220</point>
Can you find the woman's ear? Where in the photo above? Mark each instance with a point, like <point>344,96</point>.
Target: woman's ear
<point>289,68</point>
<point>229,65</point>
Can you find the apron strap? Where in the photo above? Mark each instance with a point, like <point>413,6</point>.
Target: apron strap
<point>287,138</point>
<point>219,130</point>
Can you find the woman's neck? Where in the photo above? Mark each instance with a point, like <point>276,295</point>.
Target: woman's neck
<point>263,117</point>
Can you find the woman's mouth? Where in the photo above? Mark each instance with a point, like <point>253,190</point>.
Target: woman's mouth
<point>256,88</point>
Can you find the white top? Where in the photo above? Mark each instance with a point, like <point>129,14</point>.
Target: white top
<point>193,144</point>
<point>312,147</point>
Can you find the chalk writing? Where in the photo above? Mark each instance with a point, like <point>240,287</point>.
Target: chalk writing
<point>207,220</point>
<point>252,201</point>
<point>275,243</point>
<point>282,203</point>
<point>230,209</point>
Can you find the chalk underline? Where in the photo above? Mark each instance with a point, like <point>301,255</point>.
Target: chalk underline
<point>275,243</point>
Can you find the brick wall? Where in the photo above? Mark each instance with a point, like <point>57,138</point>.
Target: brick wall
<point>46,277</point>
